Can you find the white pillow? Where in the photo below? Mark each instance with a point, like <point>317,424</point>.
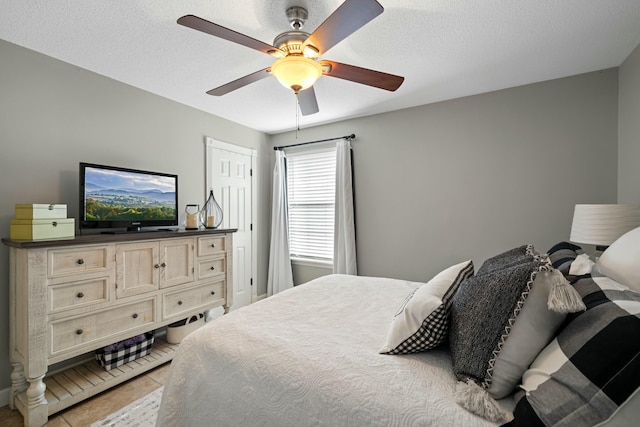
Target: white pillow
<point>621,260</point>
<point>422,321</point>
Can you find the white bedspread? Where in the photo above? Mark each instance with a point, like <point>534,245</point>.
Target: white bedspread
<point>307,357</point>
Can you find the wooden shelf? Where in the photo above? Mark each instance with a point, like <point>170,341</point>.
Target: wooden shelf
<point>75,384</point>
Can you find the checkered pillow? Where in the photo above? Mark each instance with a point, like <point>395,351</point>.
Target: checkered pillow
<point>422,321</point>
<point>591,371</point>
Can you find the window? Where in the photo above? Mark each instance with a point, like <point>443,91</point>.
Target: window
<point>311,177</point>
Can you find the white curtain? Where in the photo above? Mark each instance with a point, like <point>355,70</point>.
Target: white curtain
<point>344,234</point>
<point>280,275</point>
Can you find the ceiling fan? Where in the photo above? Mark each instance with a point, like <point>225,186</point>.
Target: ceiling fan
<point>298,66</point>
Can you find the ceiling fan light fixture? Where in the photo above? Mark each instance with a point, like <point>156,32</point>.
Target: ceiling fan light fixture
<point>310,51</point>
<point>276,53</point>
<point>296,72</point>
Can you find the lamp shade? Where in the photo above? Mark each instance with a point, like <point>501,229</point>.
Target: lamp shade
<point>296,72</point>
<point>601,225</point>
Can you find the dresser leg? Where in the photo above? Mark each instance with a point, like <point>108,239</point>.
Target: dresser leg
<point>18,383</point>
<point>37,411</point>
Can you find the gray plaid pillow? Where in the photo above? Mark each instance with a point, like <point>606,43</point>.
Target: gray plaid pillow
<point>591,372</point>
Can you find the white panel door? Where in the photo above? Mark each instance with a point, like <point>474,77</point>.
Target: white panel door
<point>229,175</point>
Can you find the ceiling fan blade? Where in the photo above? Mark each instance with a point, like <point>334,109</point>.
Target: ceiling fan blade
<point>241,82</point>
<point>345,20</point>
<point>308,102</point>
<point>208,27</point>
<point>364,76</point>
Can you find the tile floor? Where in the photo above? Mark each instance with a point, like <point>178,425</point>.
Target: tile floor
<point>97,407</point>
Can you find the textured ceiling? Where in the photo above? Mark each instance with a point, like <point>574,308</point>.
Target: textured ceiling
<point>444,48</point>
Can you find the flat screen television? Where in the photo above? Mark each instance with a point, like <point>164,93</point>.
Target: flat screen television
<point>120,198</point>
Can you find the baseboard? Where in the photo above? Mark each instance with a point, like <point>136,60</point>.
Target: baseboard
<point>262,296</point>
<point>4,397</point>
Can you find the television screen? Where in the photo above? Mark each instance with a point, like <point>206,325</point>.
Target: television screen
<point>114,197</point>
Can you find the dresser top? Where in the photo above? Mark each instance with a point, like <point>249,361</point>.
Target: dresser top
<point>113,237</point>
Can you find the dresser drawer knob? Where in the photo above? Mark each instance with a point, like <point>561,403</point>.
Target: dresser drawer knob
<point>179,302</point>
<point>163,265</point>
<point>135,315</point>
<point>213,245</point>
<point>213,268</point>
<point>54,223</point>
<point>80,261</point>
<point>79,332</point>
<point>213,292</point>
<point>157,266</point>
<point>80,295</point>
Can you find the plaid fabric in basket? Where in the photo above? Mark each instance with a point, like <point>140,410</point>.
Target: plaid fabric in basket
<point>112,359</point>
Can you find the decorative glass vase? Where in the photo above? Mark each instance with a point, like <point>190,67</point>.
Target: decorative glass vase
<point>211,213</point>
<point>191,217</point>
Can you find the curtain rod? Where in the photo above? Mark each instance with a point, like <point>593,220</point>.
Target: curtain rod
<point>352,136</point>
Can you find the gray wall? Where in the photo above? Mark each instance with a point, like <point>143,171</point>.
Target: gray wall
<point>629,130</point>
<point>54,115</point>
<point>467,178</point>
<point>434,184</point>
<point>303,273</point>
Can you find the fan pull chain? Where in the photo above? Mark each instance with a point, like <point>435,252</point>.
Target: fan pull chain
<point>297,117</point>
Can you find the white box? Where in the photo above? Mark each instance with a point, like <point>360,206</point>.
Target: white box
<point>41,211</point>
<point>40,229</point>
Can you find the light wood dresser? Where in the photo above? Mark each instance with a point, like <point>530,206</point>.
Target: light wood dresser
<point>70,297</point>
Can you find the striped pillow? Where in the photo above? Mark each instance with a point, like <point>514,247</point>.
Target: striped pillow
<point>562,255</point>
<point>591,372</point>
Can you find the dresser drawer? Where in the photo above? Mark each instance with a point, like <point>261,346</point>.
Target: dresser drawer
<point>73,333</point>
<point>189,300</point>
<point>63,262</point>
<point>210,268</point>
<point>211,245</point>
<point>79,293</point>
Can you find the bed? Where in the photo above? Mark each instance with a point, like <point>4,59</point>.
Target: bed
<point>312,355</point>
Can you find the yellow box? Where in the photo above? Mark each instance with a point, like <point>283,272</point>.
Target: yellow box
<point>40,229</point>
<point>41,211</point>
